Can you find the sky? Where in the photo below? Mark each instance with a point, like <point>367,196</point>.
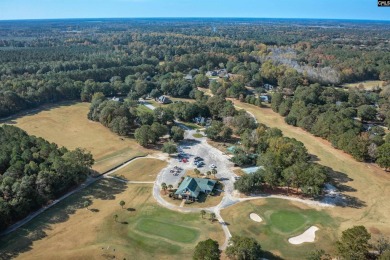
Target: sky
<point>329,9</point>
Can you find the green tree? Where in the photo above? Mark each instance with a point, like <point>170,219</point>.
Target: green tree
<point>169,148</point>
<point>208,173</point>
<point>164,187</point>
<point>177,133</point>
<point>201,81</point>
<point>144,135</point>
<point>207,250</point>
<point>212,216</point>
<point>197,172</point>
<point>367,112</point>
<point>383,156</point>
<point>243,248</point>
<point>170,187</point>
<point>86,204</point>
<point>354,243</point>
<point>202,213</point>
<point>122,203</point>
<point>214,172</point>
<point>116,218</point>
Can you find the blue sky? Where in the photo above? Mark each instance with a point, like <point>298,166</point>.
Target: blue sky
<point>333,9</point>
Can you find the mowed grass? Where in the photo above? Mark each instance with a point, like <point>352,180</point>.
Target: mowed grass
<point>143,169</point>
<point>287,221</point>
<point>367,85</point>
<point>167,230</point>
<point>67,125</point>
<point>366,185</point>
<point>281,220</point>
<point>143,229</point>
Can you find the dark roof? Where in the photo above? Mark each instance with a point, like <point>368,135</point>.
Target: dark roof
<point>193,186</point>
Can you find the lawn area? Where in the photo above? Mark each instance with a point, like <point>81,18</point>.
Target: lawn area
<point>281,220</point>
<point>166,230</point>
<point>67,125</point>
<point>198,135</point>
<point>367,85</point>
<point>70,231</point>
<point>143,169</point>
<point>365,185</point>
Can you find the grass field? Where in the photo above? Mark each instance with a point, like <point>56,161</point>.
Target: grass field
<point>366,185</point>
<point>143,230</point>
<point>67,125</point>
<point>169,231</point>
<point>367,85</point>
<point>281,220</point>
<point>141,170</point>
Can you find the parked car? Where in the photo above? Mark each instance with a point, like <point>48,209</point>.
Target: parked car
<point>212,166</point>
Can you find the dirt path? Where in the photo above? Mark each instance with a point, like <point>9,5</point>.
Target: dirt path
<point>367,185</point>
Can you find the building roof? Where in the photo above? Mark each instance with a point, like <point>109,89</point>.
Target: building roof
<point>193,186</point>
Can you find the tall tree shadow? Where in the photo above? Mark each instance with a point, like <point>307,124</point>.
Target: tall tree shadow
<point>21,240</point>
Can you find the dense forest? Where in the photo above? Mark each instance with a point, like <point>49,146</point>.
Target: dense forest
<point>34,172</point>
<point>49,61</point>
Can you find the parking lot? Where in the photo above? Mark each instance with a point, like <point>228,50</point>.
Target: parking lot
<point>190,150</point>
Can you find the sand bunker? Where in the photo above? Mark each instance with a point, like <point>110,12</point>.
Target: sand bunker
<point>255,217</point>
<point>307,236</point>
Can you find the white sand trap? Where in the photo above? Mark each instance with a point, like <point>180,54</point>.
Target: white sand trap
<point>307,236</point>
<point>255,217</point>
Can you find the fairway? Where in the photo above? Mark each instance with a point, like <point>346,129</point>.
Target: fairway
<point>143,169</point>
<point>287,221</point>
<point>365,185</point>
<point>166,230</point>
<point>70,231</point>
<point>367,85</point>
<point>67,125</point>
<point>281,220</point>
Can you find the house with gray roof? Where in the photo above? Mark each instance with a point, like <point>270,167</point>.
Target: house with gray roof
<point>190,188</point>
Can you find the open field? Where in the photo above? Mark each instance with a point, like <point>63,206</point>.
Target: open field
<point>67,125</point>
<point>367,85</point>
<point>143,230</point>
<point>141,170</point>
<point>281,220</point>
<point>366,185</point>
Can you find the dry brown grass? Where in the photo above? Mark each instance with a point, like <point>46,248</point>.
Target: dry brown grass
<point>67,125</point>
<point>367,85</point>
<point>141,170</point>
<point>365,183</point>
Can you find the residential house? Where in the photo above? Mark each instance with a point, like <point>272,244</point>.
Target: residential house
<point>164,100</point>
<point>191,188</point>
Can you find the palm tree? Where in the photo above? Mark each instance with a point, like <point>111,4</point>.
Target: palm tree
<point>212,216</point>
<point>208,173</point>
<point>116,217</point>
<point>86,204</point>
<point>214,172</point>
<point>164,187</point>
<point>197,172</point>
<point>122,203</point>
<point>170,187</point>
<point>202,212</point>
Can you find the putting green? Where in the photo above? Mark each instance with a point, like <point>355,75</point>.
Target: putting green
<point>287,221</point>
<point>166,230</point>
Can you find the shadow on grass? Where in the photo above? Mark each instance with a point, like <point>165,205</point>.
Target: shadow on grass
<point>269,255</point>
<point>21,240</point>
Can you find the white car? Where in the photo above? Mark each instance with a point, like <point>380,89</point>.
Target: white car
<point>212,166</point>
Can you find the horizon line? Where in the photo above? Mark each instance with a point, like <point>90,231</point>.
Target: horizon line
<point>191,17</point>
